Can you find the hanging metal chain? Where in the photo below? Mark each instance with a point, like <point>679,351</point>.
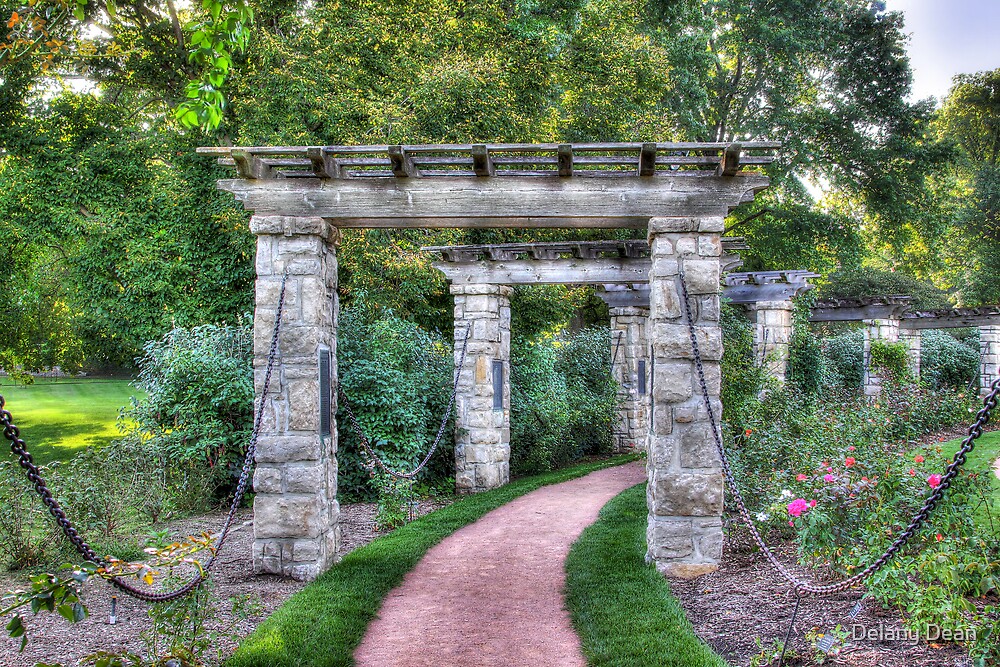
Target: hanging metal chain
<point>803,587</point>
<point>25,460</point>
<point>373,458</point>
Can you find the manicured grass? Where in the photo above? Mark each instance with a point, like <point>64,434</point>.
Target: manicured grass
<point>622,608</point>
<point>981,460</point>
<point>59,416</point>
<point>322,624</point>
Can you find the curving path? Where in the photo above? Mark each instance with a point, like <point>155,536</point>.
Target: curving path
<point>490,594</point>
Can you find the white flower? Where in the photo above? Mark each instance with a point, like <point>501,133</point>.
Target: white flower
<point>763,516</point>
<point>785,493</point>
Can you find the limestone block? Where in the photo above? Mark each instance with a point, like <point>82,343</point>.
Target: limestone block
<point>267,480</point>
<point>697,446</point>
<point>708,309</point>
<point>303,400</point>
<point>664,299</point>
<point>305,550</point>
<point>710,246</point>
<point>662,266</point>
<point>287,516</point>
<point>673,382</point>
<point>304,479</point>
<point>688,494</point>
<point>284,448</point>
<point>686,245</point>
<point>712,224</point>
<point>672,225</point>
<point>708,539</point>
<point>669,539</point>
<point>662,450</point>
<point>702,276</point>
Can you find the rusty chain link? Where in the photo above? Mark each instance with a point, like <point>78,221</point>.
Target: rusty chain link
<point>373,458</point>
<point>803,587</point>
<point>25,460</point>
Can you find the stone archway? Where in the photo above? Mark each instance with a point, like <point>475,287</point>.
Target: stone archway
<point>301,197</point>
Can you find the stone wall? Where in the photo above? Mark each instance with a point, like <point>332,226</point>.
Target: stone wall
<point>482,417</point>
<point>685,492</point>
<point>772,339</point>
<point>913,338</point>
<point>629,347</point>
<point>989,371</point>
<point>296,531</point>
<point>883,330</point>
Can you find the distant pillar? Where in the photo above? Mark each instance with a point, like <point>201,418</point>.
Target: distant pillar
<point>482,404</point>
<point>772,335</point>
<point>630,366</point>
<point>989,370</point>
<point>296,529</point>
<point>685,491</point>
<point>913,339</point>
<point>886,331</point>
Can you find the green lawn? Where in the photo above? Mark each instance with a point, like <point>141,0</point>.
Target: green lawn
<point>59,416</point>
<point>622,608</point>
<point>981,460</point>
<point>323,623</point>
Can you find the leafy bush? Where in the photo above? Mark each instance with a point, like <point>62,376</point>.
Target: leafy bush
<point>742,378</point>
<point>873,282</point>
<point>199,399</point>
<point>947,360</point>
<point>28,535</point>
<point>843,472</point>
<point>564,401</point>
<point>844,360</point>
<point>805,359</point>
<point>398,379</point>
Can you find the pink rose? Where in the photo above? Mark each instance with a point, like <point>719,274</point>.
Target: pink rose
<point>934,480</point>
<point>797,507</point>
<point>812,503</point>
<point>828,478</point>
<point>801,478</point>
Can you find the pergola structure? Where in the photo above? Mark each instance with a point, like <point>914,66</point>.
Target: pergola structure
<point>620,270</point>
<point>301,197</point>
<point>889,319</point>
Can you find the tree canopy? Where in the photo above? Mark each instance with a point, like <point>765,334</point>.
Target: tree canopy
<point>115,229</point>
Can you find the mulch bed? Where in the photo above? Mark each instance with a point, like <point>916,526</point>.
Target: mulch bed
<point>745,601</point>
<point>52,639</point>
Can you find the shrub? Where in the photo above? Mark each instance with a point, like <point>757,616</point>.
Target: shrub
<point>949,361</point>
<point>844,360</point>
<point>564,401</point>
<point>200,395</point>
<point>805,359</point>
<point>742,378</point>
<point>398,379</point>
<point>853,458</point>
<point>28,535</point>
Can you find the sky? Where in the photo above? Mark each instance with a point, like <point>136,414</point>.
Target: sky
<point>949,37</point>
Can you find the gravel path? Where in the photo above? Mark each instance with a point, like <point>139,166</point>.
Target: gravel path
<point>491,593</point>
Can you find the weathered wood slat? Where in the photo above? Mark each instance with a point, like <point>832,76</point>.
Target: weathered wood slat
<point>730,163</point>
<point>482,163</point>
<point>647,160</point>
<point>402,165</point>
<point>565,160</point>
<point>591,271</point>
<point>323,164</point>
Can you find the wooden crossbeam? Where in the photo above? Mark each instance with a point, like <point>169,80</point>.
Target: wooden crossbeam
<point>482,164</point>
<point>323,164</point>
<point>565,156</point>
<point>647,160</point>
<point>402,164</point>
<point>249,166</point>
<point>730,163</point>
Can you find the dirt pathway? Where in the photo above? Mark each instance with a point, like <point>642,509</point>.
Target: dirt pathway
<point>490,595</point>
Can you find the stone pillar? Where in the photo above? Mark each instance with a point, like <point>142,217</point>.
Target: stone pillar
<point>296,531</point>
<point>772,336</point>
<point>482,404</point>
<point>914,340</point>
<point>989,368</point>
<point>883,330</point>
<point>631,369</point>
<point>685,492</point>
